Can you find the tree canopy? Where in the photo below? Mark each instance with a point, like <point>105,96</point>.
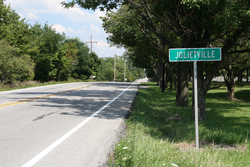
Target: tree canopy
<point>178,24</point>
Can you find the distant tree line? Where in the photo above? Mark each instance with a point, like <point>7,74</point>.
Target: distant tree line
<point>38,52</point>
<point>124,69</point>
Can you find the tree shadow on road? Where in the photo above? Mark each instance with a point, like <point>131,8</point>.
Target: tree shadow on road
<point>87,101</point>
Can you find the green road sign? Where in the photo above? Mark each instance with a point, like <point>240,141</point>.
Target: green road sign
<point>194,54</point>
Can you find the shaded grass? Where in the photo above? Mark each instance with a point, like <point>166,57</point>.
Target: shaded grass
<point>151,138</point>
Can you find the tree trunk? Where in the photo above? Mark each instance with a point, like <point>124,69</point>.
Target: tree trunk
<point>247,74</point>
<point>202,92</point>
<point>230,83</point>
<point>159,73</point>
<point>202,115</point>
<point>240,75</point>
<point>166,76</point>
<point>171,86</point>
<point>155,72</point>
<point>163,79</point>
<point>182,88</point>
<point>166,80</point>
<point>172,78</point>
<point>230,92</point>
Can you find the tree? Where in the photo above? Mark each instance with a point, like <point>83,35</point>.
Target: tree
<point>45,43</point>
<point>65,58</point>
<point>80,69</point>
<point>14,59</point>
<point>86,64</point>
<point>232,65</point>
<point>14,65</point>
<point>132,31</point>
<point>126,32</point>
<point>93,64</point>
<point>195,23</point>
<point>235,63</point>
<point>13,29</point>
<point>106,69</point>
<point>134,57</point>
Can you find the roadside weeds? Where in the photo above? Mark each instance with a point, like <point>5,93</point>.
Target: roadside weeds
<point>151,141</point>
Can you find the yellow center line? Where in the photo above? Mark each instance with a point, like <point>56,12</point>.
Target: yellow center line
<point>41,97</point>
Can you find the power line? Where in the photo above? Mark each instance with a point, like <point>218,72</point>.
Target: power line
<point>31,3</point>
<point>23,12</point>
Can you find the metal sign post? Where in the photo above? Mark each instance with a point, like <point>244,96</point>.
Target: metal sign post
<point>196,106</point>
<point>195,54</point>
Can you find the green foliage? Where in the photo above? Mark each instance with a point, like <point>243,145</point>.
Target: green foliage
<point>85,64</point>
<point>66,56</point>
<point>80,66</point>
<point>123,27</point>
<point>54,56</point>
<point>12,28</point>
<point>180,24</point>
<point>93,4</point>
<point>106,70</point>
<point>123,154</point>
<point>126,31</point>
<point>14,65</point>
<point>94,63</point>
<point>45,43</point>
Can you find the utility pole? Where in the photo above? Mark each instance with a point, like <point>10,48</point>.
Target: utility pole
<point>125,71</point>
<point>114,67</point>
<point>91,42</point>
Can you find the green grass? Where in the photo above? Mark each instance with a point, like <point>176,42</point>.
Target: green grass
<point>27,84</point>
<point>153,141</point>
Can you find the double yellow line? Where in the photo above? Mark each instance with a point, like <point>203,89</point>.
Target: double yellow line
<point>41,97</point>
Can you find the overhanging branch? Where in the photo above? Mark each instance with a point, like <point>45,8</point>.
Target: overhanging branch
<point>238,51</point>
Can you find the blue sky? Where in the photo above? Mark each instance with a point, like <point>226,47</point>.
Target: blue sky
<point>74,22</point>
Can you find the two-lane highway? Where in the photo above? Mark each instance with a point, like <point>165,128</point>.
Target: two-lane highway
<point>62,125</point>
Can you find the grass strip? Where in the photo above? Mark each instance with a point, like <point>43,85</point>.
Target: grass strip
<point>28,84</point>
<point>152,141</point>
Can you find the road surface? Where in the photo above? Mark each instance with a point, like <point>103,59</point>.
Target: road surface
<point>64,125</point>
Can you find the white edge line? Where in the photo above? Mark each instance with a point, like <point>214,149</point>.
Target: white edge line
<point>64,137</point>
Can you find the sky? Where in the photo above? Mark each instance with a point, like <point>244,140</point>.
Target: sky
<point>74,22</point>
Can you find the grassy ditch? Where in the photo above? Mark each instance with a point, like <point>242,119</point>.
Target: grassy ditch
<point>152,141</point>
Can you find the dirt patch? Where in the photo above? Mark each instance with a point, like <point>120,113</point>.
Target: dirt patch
<point>143,87</point>
<point>187,146</point>
<point>246,101</point>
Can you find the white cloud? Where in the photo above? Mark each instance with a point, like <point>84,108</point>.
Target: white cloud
<point>59,28</point>
<point>31,16</point>
<point>94,28</point>
<point>102,43</point>
<point>75,32</point>
<point>30,9</point>
<point>44,7</point>
<point>70,29</point>
<point>103,49</point>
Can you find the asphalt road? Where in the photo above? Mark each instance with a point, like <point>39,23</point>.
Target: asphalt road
<point>64,125</point>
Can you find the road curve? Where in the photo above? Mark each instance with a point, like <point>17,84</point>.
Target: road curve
<point>63,125</point>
